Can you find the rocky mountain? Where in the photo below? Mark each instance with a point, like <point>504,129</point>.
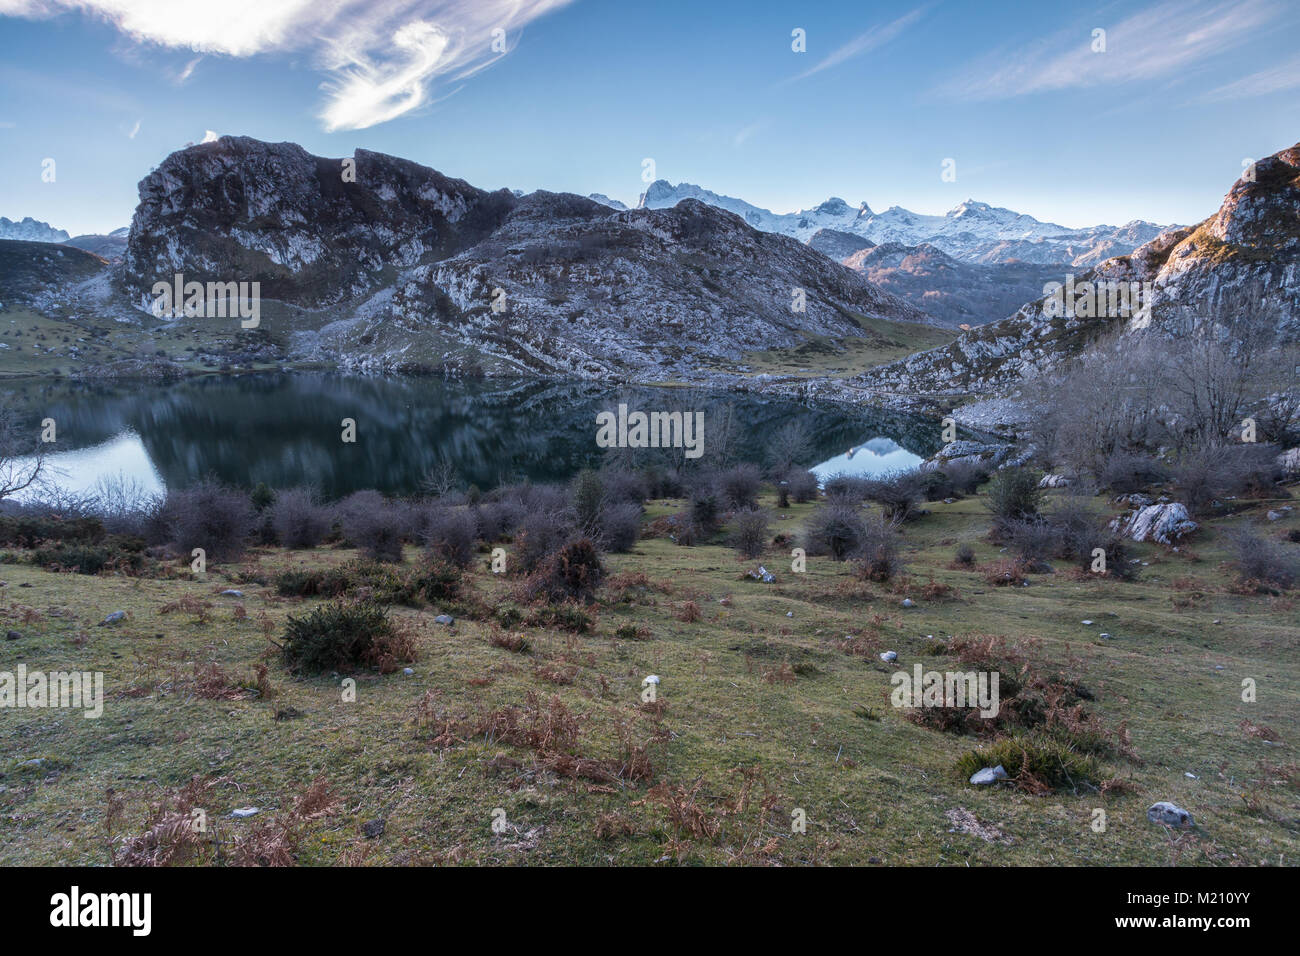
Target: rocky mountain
<point>1239,267</point>
<point>606,201</point>
<point>30,272</point>
<point>836,244</point>
<point>402,266</point>
<point>952,292</point>
<point>30,230</point>
<point>971,232</point>
<point>111,247</point>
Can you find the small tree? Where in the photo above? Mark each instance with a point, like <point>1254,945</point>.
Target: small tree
<point>22,457</point>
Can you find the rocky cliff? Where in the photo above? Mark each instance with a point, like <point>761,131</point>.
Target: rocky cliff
<point>406,260</point>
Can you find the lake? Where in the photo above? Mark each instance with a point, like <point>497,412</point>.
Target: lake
<point>286,429</point>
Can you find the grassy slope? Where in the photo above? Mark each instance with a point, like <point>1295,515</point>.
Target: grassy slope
<point>882,342</point>
<point>873,790</point>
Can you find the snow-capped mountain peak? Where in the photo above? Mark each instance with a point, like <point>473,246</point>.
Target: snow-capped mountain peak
<point>971,231</point>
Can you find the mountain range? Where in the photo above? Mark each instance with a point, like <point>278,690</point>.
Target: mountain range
<point>407,266</point>
<point>398,267</point>
<point>973,232</point>
<point>1239,268</point>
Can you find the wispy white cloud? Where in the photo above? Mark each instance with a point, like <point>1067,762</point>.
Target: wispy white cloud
<point>209,136</point>
<point>382,56</point>
<point>1277,79</point>
<point>1150,45</point>
<point>743,135</point>
<point>187,71</point>
<point>873,39</point>
<point>134,130</point>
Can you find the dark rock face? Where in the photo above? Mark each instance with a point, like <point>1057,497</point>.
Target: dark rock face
<point>242,210</point>
<point>413,262</point>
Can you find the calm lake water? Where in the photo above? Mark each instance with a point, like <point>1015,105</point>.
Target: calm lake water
<point>285,429</point>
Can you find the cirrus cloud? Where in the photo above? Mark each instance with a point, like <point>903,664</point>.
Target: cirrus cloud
<point>382,56</point>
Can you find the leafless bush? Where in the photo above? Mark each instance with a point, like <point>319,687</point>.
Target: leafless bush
<point>451,533</point>
<point>212,517</point>
<point>836,529</point>
<point>749,532</point>
<point>1264,563</point>
<point>299,520</point>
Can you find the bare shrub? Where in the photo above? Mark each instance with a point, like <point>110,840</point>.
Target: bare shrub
<point>738,486</point>
<point>212,517</point>
<point>1264,564</point>
<point>749,532</point>
<point>836,529</point>
<point>802,485</point>
<point>1216,471</point>
<point>451,533</point>
<point>877,551</point>
<point>299,520</point>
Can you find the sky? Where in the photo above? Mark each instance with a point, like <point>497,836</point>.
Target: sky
<point>1024,105</point>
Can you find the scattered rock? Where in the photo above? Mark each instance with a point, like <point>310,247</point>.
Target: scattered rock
<point>988,775</point>
<point>651,679</point>
<point>231,592</point>
<point>789,613</point>
<point>908,602</point>
<point>12,635</point>
<point>1055,481</point>
<point>1279,514</point>
<point>1085,623</point>
<point>889,656</point>
<point>963,821</point>
<point>1290,460</point>
<point>444,619</point>
<point>113,619</point>
<point>762,574</point>
<point>373,828</point>
<point>408,671</point>
<point>243,812</point>
<point>1169,814</point>
<point>1105,636</point>
<point>1161,522</point>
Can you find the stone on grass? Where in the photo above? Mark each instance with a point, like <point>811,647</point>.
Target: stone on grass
<point>988,775</point>
<point>908,602</point>
<point>1171,815</point>
<point>444,619</point>
<point>243,812</point>
<point>889,656</point>
<point>12,635</point>
<point>115,618</point>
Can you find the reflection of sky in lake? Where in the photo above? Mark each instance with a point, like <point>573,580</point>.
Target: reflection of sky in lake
<point>123,456</point>
<point>874,457</point>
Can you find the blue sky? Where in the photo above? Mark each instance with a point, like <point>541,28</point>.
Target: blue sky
<point>1155,127</point>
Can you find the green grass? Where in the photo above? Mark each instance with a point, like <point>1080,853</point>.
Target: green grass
<point>741,741</point>
<point>882,341</point>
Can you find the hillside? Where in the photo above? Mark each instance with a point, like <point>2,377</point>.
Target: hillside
<point>400,268</point>
<point>1239,267</point>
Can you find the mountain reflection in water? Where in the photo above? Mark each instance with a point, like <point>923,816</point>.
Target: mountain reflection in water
<point>284,429</point>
